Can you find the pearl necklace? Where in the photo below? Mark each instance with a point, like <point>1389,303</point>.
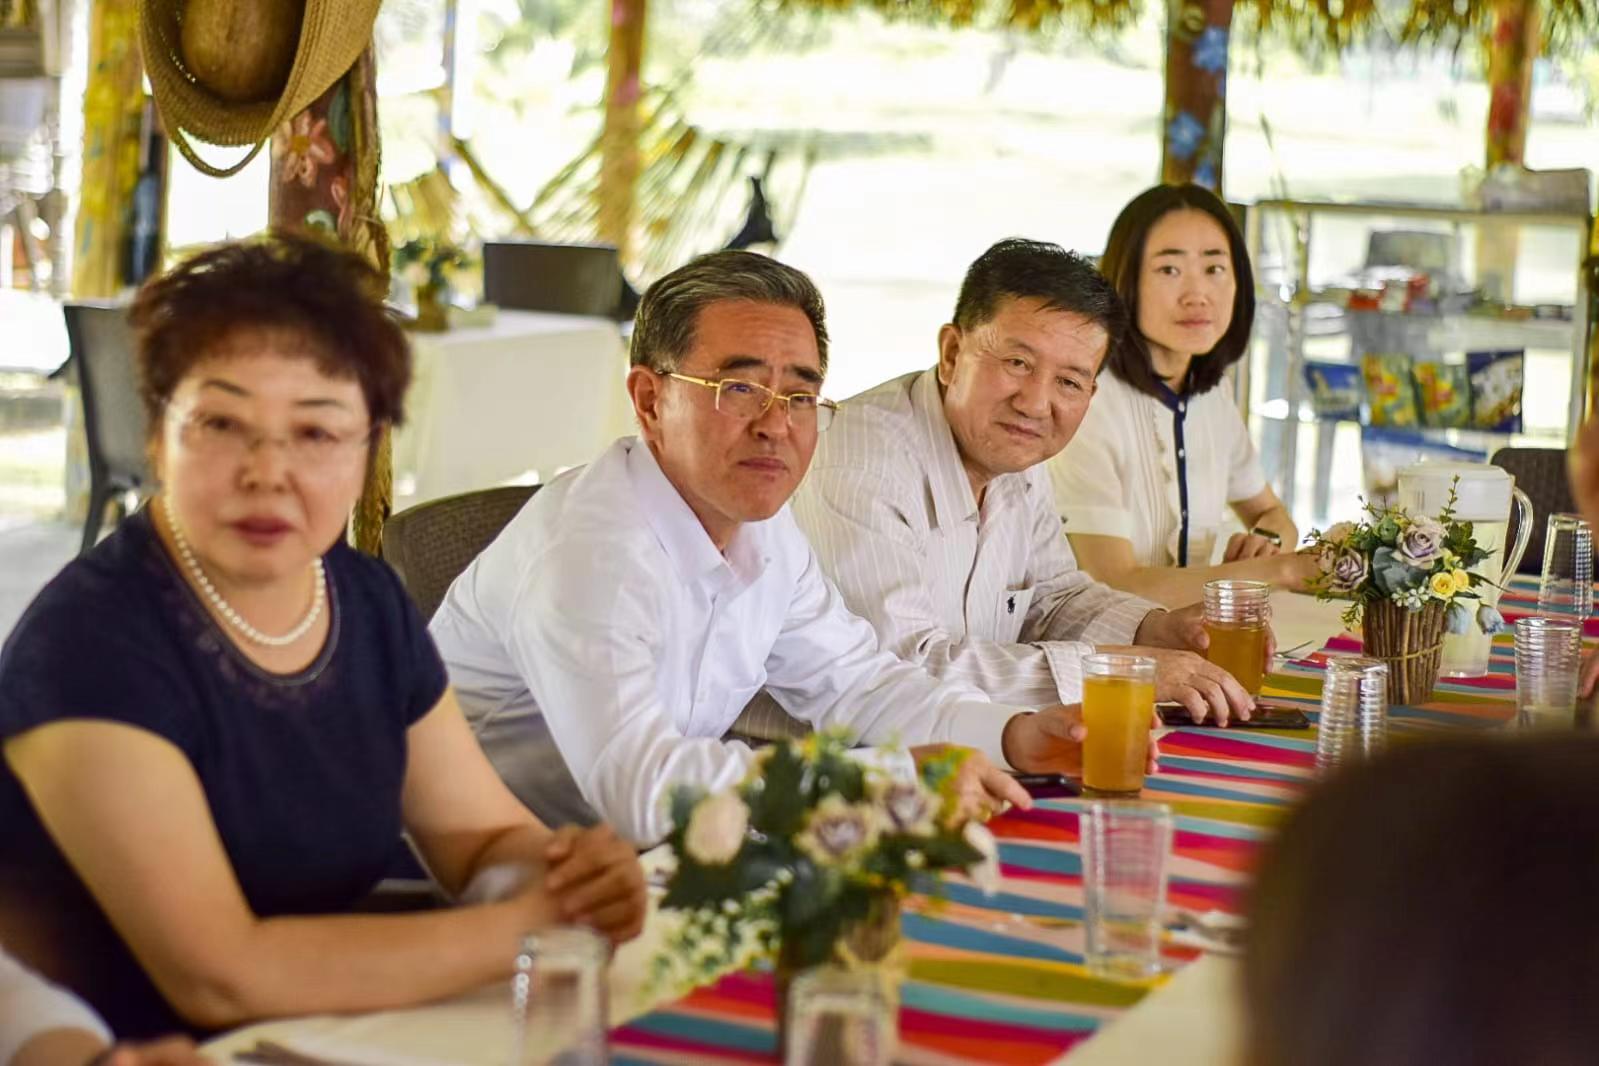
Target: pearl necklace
<point>225,609</point>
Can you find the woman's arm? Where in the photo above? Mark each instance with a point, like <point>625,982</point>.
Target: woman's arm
<point>1111,560</point>
<point>128,812</point>
<point>1264,511</point>
<point>465,821</point>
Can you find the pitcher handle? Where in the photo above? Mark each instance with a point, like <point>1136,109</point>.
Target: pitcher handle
<point>1523,507</point>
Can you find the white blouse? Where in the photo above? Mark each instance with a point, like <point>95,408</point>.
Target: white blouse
<point>1150,469</point>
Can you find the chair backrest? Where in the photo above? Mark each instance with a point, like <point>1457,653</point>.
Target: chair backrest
<point>573,279</point>
<point>1541,474</point>
<point>430,544</point>
<point>113,416</point>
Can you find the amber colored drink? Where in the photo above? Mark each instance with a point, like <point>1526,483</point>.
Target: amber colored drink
<point>1240,649</point>
<point>1116,712</point>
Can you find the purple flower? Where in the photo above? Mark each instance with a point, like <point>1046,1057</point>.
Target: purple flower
<point>1349,568</point>
<point>837,831</point>
<point>1209,52</point>
<point>910,808</point>
<point>1184,135</point>
<point>1422,542</point>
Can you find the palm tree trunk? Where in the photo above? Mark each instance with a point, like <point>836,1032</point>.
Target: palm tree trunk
<point>619,143</point>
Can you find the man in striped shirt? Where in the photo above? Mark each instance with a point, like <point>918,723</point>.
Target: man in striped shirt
<point>928,504</point>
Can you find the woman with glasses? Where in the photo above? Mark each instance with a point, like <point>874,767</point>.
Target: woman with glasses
<point>218,722</point>
<point>1162,466</point>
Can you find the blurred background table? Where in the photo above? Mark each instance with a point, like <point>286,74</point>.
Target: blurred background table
<point>531,392</point>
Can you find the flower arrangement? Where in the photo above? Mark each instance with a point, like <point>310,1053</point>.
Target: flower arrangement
<point>1391,556</point>
<point>424,261</point>
<point>810,845</point>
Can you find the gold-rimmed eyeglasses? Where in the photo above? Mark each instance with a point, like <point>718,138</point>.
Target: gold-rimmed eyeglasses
<point>749,400</point>
<point>309,446</point>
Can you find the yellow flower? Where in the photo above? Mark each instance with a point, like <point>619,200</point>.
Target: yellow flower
<point>1461,579</point>
<point>1443,585</point>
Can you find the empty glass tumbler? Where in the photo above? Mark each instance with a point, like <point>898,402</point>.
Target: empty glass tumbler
<point>1567,587</point>
<point>1126,856</point>
<point>1548,656</point>
<point>1354,712</point>
<point>1237,620</point>
<point>559,999</point>
<point>839,1017</point>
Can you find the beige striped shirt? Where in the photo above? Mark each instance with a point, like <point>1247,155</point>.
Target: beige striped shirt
<point>993,597</point>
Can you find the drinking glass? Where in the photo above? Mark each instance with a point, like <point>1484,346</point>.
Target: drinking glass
<point>1237,618</point>
<point>1118,708</point>
<point>1548,653</point>
<point>1567,587</point>
<point>1126,847</point>
<point>838,1016</point>
<point>558,999</point>
<point>1354,711</point>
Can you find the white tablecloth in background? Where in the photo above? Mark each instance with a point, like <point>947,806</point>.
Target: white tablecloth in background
<point>531,392</point>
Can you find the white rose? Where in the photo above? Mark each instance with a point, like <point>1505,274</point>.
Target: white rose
<point>986,872</point>
<point>716,829</point>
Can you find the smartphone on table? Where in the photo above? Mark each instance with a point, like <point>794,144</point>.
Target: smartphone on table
<point>1047,786</point>
<point>1266,715</point>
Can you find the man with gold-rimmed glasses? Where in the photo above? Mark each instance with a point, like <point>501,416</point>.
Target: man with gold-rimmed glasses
<point>606,641</point>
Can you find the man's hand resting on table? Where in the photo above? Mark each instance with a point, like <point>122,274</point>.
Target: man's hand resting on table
<point>981,788</point>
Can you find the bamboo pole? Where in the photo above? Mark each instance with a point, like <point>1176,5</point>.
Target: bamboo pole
<point>1512,47</point>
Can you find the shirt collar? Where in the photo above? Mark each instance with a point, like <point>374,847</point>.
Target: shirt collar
<point>1174,401</point>
<point>953,502</point>
<point>678,528</point>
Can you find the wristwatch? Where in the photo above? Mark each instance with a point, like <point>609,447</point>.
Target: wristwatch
<point>1270,534</point>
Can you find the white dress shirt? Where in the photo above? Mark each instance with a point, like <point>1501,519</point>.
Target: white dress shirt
<point>604,624</point>
<point>31,1006</point>
<point>992,596</point>
<point>1143,468</point>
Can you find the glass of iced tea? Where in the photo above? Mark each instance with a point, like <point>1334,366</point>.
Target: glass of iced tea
<point>1118,708</point>
<point>1237,618</point>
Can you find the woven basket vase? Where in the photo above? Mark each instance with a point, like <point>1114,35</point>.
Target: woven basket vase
<point>1410,642</point>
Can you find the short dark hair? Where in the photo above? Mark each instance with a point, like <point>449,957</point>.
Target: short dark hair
<point>276,282</point>
<point>1434,905</point>
<point>1122,263</point>
<point>1017,268</point>
<point>668,315</point>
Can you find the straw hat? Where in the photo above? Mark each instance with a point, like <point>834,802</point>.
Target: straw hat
<point>332,35</point>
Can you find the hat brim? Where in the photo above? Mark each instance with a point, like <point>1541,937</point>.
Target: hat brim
<point>332,36</point>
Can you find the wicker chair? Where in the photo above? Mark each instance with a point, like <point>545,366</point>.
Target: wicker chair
<point>113,416</point>
<point>430,544</point>
<point>1541,474</point>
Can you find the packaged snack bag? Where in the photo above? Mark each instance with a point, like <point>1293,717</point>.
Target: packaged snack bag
<point>1390,393</point>
<point>1496,379</point>
<point>1443,394</point>
<point>1335,389</point>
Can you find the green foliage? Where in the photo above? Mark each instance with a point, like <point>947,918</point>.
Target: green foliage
<point>796,854</point>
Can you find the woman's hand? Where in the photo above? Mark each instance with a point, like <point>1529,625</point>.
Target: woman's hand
<point>1050,741</point>
<point>595,878</point>
<point>981,788</point>
<point>1248,546</point>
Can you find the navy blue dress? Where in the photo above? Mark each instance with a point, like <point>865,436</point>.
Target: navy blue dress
<point>302,772</point>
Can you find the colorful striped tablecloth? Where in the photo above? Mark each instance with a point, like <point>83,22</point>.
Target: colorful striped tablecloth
<point>1001,979</point>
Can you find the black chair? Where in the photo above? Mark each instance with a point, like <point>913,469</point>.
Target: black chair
<point>571,279</point>
<point>101,344</point>
<point>1541,474</point>
<point>430,544</point>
